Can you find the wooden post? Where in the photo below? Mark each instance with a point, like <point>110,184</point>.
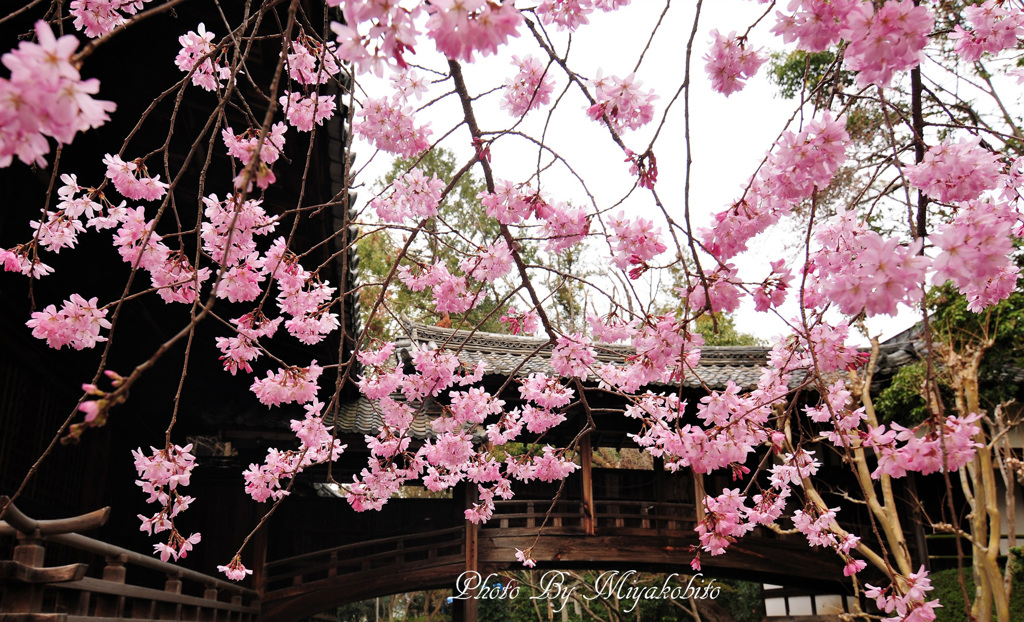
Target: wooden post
<point>110,605</point>
<point>259,571</point>
<point>171,611</point>
<point>469,609</point>
<point>698,494</point>
<point>586,462</point>
<point>27,597</point>
<point>209,614</point>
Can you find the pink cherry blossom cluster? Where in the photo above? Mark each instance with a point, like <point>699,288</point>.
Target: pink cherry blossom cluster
<point>229,229</point>
<point>572,356</point>
<point>237,352</point>
<point>644,166</point>
<point>718,291</point>
<point>407,83</point>
<point>490,264</point>
<point>571,14</point>
<point>730,62</point>
<point>880,43</point>
<point>564,225</point>
<point>98,17</point>
<point>858,269</point>
<point>243,148</point>
<point>461,27</point>
<point>450,457</point>
<point>292,384</point>
<point>545,391</point>
<point>634,242</point>
<point>926,449</point>
<point>458,28</point>
<point>814,24</point>
<point>316,446</point>
<point>799,163</point>
<point>906,597</point>
<point>959,171</point>
<point>773,290</point>
<point>510,204</point>
<point>844,424</point>
<point>263,482</point>
<point>234,570</point>
<point>197,56</point>
<point>451,292</point>
<point>695,447</point>
<point>389,29</point>
<point>59,229</point>
<point>621,101</point>
<point>977,249</point>
<point>819,346</point>
<point>21,259</point>
<point>884,42</point>
<point>161,474</point>
<point>665,352</point>
<point>723,521</point>
<point>529,89</point>
<point>170,272</point>
<point>611,328</point>
<point>521,321</point>
<point>132,179</point>
<point>389,126</point>
<point>76,324</point>
<point>45,97</point>
<point>311,62</point>
<point>303,112</point>
<point>412,196</point>
<point>995,26</point>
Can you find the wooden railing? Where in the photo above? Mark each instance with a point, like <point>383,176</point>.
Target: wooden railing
<point>64,594</point>
<point>393,554</point>
<point>609,516</point>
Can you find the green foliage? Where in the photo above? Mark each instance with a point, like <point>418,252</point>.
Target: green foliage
<point>727,334</point>
<point>743,600</point>
<point>1003,324</point>
<point>459,212</point>
<point>903,400</point>
<point>947,589</point>
<point>796,70</point>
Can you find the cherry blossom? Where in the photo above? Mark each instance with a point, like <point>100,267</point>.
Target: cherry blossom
<point>77,324</point>
<point>530,89</point>
<point>98,17</point>
<point>45,96</point>
<point>621,101</point>
<point>389,125</point>
<point>162,474</point>
<point>461,27</point>
<point>235,570</point>
<point>884,42</point>
<point>730,62</point>
<point>197,55</point>
<point>959,171</point>
<point>996,26</point>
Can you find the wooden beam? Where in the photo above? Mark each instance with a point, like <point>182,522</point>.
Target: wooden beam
<point>469,608</point>
<point>15,522</point>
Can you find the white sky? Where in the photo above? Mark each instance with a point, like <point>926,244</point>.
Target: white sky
<point>729,136</point>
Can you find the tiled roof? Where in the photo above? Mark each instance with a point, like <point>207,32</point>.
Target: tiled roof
<point>360,416</point>
<point>507,354</point>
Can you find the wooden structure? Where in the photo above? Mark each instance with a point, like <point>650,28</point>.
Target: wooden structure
<point>317,554</point>
<point>33,591</point>
<point>625,534</point>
